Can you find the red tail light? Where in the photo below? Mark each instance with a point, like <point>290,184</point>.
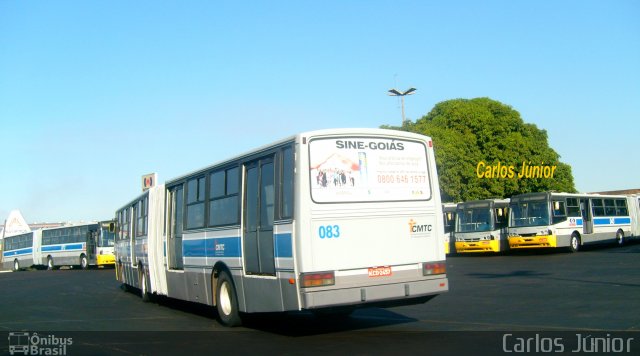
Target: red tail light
<point>431,268</point>
<point>317,279</point>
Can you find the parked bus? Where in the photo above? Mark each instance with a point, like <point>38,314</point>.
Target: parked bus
<point>323,221</point>
<point>481,226</point>
<point>77,245</point>
<point>105,244</point>
<point>80,245</point>
<point>449,217</point>
<point>549,219</point>
<point>19,250</point>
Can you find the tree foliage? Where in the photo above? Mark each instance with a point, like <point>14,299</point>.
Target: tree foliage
<point>466,132</point>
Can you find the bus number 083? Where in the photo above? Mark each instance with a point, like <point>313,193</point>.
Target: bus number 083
<point>329,231</point>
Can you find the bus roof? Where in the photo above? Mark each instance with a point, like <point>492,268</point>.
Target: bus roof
<point>550,195</point>
<point>297,138</point>
<point>483,203</point>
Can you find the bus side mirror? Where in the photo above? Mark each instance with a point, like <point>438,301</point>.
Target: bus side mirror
<point>556,205</point>
<point>112,227</point>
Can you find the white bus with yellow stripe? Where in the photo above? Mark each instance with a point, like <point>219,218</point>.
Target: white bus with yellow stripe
<point>481,226</point>
<point>550,220</point>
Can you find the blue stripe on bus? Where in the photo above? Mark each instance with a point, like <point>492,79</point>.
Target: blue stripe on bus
<point>283,246</point>
<point>20,252</point>
<point>51,248</point>
<point>607,221</point>
<point>73,247</point>
<point>212,247</point>
<point>65,247</point>
<point>622,221</point>
<point>194,248</point>
<point>223,247</point>
<point>230,247</point>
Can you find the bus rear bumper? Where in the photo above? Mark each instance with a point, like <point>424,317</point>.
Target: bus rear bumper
<point>478,246</point>
<point>542,241</point>
<point>105,260</point>
<point>394,294</point>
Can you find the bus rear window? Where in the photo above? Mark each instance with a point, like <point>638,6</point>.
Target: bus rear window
<point>368,169</point>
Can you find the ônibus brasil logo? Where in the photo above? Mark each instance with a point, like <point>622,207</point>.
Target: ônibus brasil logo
<point>25,343</point>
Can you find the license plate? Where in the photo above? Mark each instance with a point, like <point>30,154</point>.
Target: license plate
<point>379,271</point>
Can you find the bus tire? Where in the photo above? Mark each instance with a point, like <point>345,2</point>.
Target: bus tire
<point>620,238</point>
<point>144,292</point>
<point>16,265</point>
<point>84,262</point>
<point>50,265</point>
<point>574,243</point>
<point>227,301</point>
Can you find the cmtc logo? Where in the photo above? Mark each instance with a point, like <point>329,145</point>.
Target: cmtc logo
<point>419,230</point>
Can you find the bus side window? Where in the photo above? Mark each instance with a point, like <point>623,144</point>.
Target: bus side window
<point>286,211</point>
<point>559,211</point>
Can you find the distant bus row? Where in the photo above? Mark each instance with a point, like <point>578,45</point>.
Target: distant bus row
<point>80,245</point>
<point>540,220</point>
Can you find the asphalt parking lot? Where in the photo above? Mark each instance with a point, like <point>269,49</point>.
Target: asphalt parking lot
<point>595,291</point>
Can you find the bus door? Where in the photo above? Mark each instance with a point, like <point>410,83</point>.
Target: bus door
<point>587,221</point>
<point>92,243</point>
<point>174,242</point>
<point>132,234</point>
<point>258,217</point>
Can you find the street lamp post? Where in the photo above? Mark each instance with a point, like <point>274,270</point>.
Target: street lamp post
<point>401,94</point>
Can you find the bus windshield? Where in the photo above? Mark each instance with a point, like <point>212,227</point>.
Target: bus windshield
<point>106,238</point>
<point>529,213</point>
<point>472,220</point>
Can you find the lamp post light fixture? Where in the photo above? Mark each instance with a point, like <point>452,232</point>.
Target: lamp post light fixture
<point>401,94</point>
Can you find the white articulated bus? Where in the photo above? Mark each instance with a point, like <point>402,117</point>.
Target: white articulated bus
<point>322,221</point>
<point>20,251</point>
<point>481,226</point>
<point>449,218</point>
<point>80,245</point>
<point>550,219</point>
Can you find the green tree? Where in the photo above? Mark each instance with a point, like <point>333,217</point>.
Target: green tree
<point>466,132</point>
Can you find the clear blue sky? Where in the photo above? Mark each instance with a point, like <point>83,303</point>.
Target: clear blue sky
<point>94,94</point>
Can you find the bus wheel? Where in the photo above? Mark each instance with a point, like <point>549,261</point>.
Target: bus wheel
<point>84,263</point>
<point>50,264</point>
<point>620,238</point>
<point>574,244</point>
<point>16,265</point>
<point>144,293</point>
<point>227,301</point>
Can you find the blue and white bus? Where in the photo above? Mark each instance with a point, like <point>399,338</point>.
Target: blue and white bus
<point>549,219</point>
<point>323,221</point>
<point>481,226</point>
<point>20,251</point>
<point>81,245</point>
